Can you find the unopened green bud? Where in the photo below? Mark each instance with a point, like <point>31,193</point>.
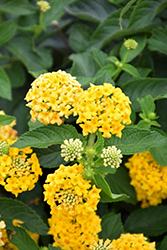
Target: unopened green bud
<point>152,116</point>
<point>90,152</point>
<point>130,44</point>
<point>88,174</point>
<point>4,148</point>
<point>43,5</point>
<point>118,64</point>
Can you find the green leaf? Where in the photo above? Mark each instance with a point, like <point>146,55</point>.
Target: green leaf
<point>34,60</point>
<point>137,88</point>
<point>136,140</point>
<point>7,30</point>
<point>115,197</point>
<point>112,59</point>
<point>50,157</point>
<point>124,10</point>
<point>110,70</point>
<point>147,104</point>
<point>120,184</point>
<point>33,125</point>
<point>144,12</point>
<point>159,154</point>
<point>53,248</point>
<point>157,42</point>
<point>37,73</point>
<point>15,210</point>
<point>17,7</point>
<point>131,70</point>
<point>94,11</point>
<point>151,221</point>
<point>45,136</point>
<point>5,85</point>
<point>98,146</point>
<point>111,226</point>
<point>105,170</point>
<point>6,119</point>
<point>163,244</point>
<point>17,75</point>
<point>143,124</point>
<point>141,40</point>
<point>23,241</point>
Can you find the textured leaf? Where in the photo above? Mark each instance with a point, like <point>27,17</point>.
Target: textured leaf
<point>111,226</point>
<point>138,88</point>
<point>151,221</point>
<point>163,244</point>
<point>23,241</point>
<point>144,12</point>
<point>159,154</point>
<point>50,157</point>
<point>158,40</point>
<point>7,30</point>
<point>131,70</point>
<point>53,248</point>
<point>120,184</point>
<point>13,209</point>
<point>17,7</point>
<point>141,40</point>
<point>5,85</point>
<point>124,10</point>
<point>98,146</point>
<point>37,73</point>
<point>94,11</point>
<point>6,119</point>
<point>147,104</point>
<point>45,136</point>
<point>136,140</point>
<point>17,75</point>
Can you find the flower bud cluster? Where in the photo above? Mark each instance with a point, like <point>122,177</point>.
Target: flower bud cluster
<point>101,245</point>
<point>71,149</point>
<point>111,157</point>
<point>43,5</point>
<point>130,44</point>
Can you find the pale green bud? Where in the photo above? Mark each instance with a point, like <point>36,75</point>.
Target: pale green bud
<point>71,149</point>
<point>130,44</point>
<point>111,157</point>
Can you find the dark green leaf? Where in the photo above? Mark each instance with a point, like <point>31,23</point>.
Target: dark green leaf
<point>136,140</point>
<point>94,11</point>
<point>5,85</point>
<point>7,30</point>
<point>163,244</point>
<point>151,221</point>
<point>53,248</point>
<point>159,154</point>
<point>158,40</point>
<point>120,184</point>
<point>115,197</point>
<point>37,73</point>
<point>105,170</point>
<point>23,241</point>
<point>98,146</point>
<point>6,119</point>
<point>17,7</point>
<point>144,12</point>
<point>124,10</point>
<point>111,226</point>
<point>17,75</point>
<point>33,125</point>
<point>15,210</point>
<point>45,136</point>
<point>131,70</point>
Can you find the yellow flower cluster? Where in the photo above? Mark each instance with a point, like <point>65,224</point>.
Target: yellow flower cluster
<point>148,178</point>
<point>101,245</point>
<point>132,241</point>
<point>43,5</point>
<point>53,96</point>
<point>7,131</point>
<point>18,172</point>
<point>105,108</point>
<point>73,223</point>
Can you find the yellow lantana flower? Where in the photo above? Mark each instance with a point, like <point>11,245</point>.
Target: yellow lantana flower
<point>18,171</point>
<point>53,96</point>
<point>66,190</point>
<point>132,241</point>
<point>104,108</point>
<point>7,131</point>
<point>101,245</point>
<point>148,178</point>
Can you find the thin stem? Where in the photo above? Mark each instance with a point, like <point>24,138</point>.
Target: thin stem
<point>120,68</point>
<point>91,140</point>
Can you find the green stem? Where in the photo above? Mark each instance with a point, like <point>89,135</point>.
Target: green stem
<point>91,140</point>
<point>126,56</point>
<point>120,68</point>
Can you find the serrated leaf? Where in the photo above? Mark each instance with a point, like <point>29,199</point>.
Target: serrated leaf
<point>151,221</point>
<point>159,154</point>
<point>120,184</point>
<point>111,226</point>
<point>47,135</point>
<point>13,209</point>
<point>157,42</point>
<point>147,104</point>
<point>19,7</point>
<point>112,59</point>
<point>143,124</point>
<point>50,157</point>
<point>136,140</point>
<point>138,88</point>
<point>98,146</point>
<point>53,248</point>
<point>144,12</point>
<point>163,244</point>
<point>22,240</point>
<point>37,73</point>
<point>124,10</point>
<point>5,85</point>
<point>131,70</point>
<point>104,198</point>
<point>94,11</point>
<point>141,40</point>
<point>7,30</point>
<point>33,125</point>
<point>6,119</point>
